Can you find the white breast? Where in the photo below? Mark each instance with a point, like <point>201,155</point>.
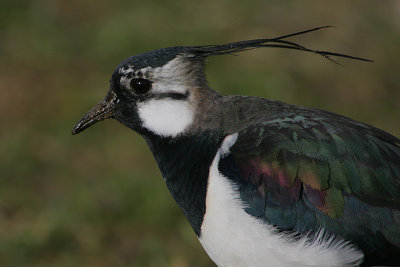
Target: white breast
<point>233,238</point>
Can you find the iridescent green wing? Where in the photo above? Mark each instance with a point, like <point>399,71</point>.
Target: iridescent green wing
<point>317,170</point>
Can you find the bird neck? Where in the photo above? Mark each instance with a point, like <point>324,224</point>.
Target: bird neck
<point>184,163</point>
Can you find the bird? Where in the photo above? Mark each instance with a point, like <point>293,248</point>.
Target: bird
<point>261,182</point>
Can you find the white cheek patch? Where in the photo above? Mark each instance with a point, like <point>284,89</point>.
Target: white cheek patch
<point>166,117</point>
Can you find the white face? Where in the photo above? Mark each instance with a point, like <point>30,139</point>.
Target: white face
<point>161,113</point>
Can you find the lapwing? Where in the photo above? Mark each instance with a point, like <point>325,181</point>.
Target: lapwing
<point>261,182</point>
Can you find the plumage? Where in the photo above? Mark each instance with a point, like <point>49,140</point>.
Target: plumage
<point>306,169</point>
<point>233,238</point>
<point>261,182</point>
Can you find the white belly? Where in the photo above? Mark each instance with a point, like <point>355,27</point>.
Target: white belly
<point>233,238</point>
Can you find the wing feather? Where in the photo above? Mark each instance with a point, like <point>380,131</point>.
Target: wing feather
<point>305,173</point>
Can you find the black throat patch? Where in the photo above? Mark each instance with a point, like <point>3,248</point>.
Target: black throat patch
<point>184,163</point>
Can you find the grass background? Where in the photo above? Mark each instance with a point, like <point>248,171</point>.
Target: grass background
<point>97,199</point>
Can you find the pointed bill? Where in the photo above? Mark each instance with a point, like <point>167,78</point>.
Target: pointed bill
<point>103,110</point>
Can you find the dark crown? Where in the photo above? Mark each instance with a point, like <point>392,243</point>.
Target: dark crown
<point>160,57</point>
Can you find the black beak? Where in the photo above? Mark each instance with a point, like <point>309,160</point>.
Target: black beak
<point>103,110</point>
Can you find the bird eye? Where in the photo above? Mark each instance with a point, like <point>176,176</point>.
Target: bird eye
<point>140,86</point>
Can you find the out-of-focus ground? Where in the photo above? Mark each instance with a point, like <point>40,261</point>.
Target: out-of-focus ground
<point>97,199</point>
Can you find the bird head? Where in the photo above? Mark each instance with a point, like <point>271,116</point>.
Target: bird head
<point>158,92</point>
<point>165,92</point>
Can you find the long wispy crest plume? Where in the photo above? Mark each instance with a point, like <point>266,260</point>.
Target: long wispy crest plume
<point>277,42</point>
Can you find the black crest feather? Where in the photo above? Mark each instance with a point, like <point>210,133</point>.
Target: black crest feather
<point>278,42</point>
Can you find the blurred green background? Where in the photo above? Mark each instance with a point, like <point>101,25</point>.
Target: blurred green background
<point>98,199</point>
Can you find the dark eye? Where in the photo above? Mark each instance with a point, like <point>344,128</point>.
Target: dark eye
<point>140,86</point>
